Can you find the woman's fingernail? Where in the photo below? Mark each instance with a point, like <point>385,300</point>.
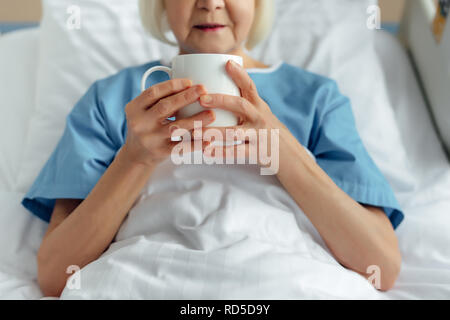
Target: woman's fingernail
<point>210,114</point>
<point>173,128</point>
<point>234,64</point>
<point>206,98</point>
<point>200,90</point>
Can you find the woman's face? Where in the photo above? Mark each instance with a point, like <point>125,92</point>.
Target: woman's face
<point>186,18</point>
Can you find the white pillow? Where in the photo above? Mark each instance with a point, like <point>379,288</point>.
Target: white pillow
<point>111,38</point>
<point>18,64</point>
<point>352,60</point>
<point>301,25</point>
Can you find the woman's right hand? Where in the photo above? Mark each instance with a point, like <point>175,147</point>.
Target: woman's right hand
<point>149,133</point>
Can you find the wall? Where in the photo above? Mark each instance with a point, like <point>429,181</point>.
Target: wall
<point>391,10</point>
<point>20,10</point>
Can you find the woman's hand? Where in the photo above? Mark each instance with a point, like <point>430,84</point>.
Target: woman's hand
<point>148,139</point>
<point>253,112</point>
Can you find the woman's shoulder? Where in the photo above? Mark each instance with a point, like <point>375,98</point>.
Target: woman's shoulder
<point>115,91</point>
<point>128,77</point>
<point>305,77</point>
<point>304,85</point>
<point>111,94</point>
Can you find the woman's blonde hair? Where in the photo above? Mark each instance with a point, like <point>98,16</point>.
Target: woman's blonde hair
<point>152,11</point>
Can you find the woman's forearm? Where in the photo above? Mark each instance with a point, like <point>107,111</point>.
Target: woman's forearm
<point>85,234</point>
<point>358,237</point>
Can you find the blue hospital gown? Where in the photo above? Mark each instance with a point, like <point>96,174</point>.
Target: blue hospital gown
<point>311,106</point>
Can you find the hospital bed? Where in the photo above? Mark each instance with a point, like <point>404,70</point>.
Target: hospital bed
<point>412,96</point>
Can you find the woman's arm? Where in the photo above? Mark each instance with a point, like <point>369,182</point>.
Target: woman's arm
<point>82,236</point>
<point>358,236</point>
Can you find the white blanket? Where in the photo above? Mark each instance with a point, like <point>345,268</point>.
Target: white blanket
<point>216,232</point>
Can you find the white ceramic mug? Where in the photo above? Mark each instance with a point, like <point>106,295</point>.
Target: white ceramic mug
<point>208,70</point>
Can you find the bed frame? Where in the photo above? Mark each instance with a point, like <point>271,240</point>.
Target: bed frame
<point>431,61</point>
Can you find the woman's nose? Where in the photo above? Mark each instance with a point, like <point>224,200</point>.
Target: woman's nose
<point>210,5</point>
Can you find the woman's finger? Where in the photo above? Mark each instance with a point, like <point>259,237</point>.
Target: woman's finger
<point>235,133</point>
<point>206,117</point>
<point>237,105</point>
<point>177,148</point>
<point>242,79</point>
<point>160,91</point>
<point>239,153</point>
<point>166,107</point>
<point>166,121</point>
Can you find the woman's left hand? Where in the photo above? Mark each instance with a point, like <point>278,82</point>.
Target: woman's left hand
<point>253,112</point>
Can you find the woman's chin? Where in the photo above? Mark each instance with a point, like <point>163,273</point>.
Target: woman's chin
<point>219,49</point>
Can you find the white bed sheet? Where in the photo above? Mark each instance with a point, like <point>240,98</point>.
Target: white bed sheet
<point>423,235</point>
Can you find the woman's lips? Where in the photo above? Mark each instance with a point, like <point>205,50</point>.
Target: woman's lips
<point>209,28</point>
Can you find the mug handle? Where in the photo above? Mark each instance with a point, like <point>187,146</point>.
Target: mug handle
<point>150,71</point>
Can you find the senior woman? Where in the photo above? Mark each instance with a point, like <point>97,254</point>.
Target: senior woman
<point>116,137</point>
